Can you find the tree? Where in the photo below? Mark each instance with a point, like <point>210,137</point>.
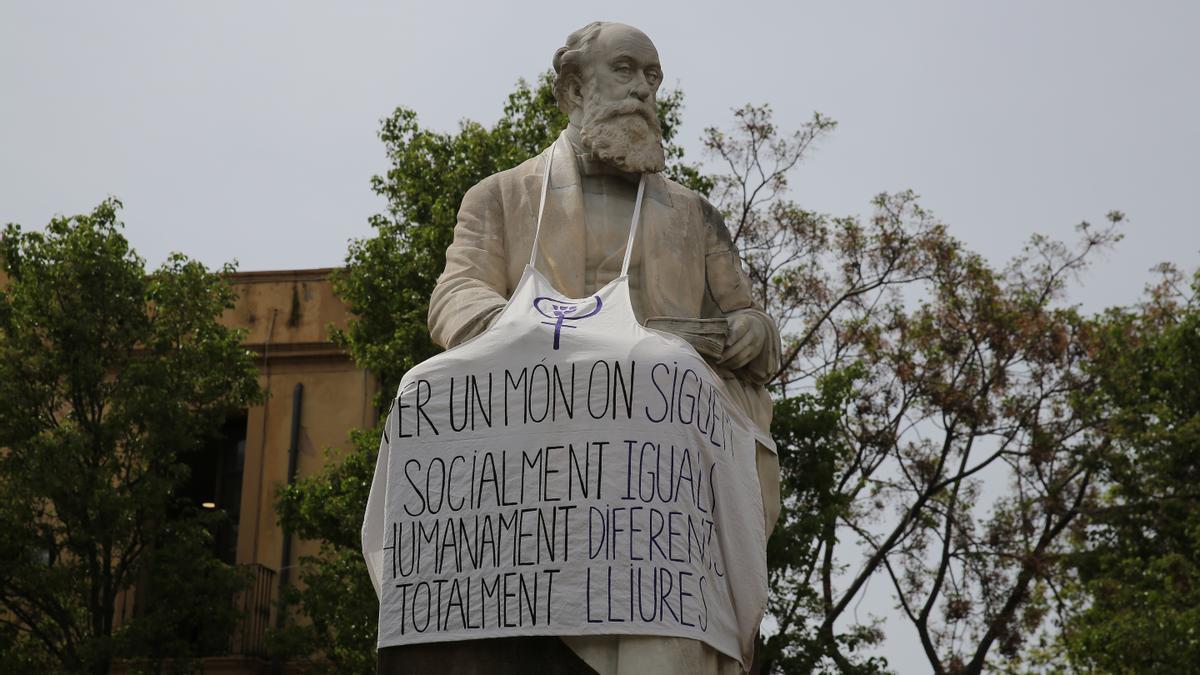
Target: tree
<point>913,370</point>
<point>929,375</point>
<point>109,376</point>
<point>387,282</point>
<point>1135,605</point>
<point>806,429</point>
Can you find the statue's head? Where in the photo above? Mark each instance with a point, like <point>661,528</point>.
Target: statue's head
<point>607,79</point>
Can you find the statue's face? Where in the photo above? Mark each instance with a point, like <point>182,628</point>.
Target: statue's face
<point>618,115</point>
<point>623,65</point>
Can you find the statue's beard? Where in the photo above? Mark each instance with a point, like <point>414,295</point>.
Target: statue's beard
<point>625,134</point>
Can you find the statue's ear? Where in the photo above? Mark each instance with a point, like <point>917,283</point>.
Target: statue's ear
<point>575,91</point>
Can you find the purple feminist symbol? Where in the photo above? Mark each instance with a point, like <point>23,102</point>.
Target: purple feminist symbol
<point>564,310</point>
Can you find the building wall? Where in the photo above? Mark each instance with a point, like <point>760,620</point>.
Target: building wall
<point>287,315</point>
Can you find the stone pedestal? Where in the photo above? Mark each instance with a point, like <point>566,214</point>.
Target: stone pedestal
<point>497,656</point>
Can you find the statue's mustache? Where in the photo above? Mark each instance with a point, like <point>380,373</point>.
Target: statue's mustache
<point>622,108</point>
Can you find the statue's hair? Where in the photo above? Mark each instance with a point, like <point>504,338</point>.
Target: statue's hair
<point>568,60</point>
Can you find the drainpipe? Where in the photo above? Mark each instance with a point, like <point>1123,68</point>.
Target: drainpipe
<point>285,564</point>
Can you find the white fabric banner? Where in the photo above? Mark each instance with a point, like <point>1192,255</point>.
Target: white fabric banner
<point>568,472</point>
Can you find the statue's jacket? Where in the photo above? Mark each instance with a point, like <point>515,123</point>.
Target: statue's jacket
<point>690,268</point>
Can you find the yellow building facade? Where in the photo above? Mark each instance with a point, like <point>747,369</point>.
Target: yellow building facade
<point>314,396</point>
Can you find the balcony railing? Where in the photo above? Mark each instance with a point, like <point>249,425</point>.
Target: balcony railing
<point>254,603</point>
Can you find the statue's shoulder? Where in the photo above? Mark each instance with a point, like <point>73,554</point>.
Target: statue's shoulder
<point>515,176</point>
<point>500,188</point>
<point>507,183</point>
<point>699,205</point>
<point>689,196</point>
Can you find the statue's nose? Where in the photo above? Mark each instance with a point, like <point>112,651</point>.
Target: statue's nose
<point>640,89</point>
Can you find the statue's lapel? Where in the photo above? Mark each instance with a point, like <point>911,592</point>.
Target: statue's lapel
<point>658,211</point>
<point>561,243</point>
<point>657,243</point>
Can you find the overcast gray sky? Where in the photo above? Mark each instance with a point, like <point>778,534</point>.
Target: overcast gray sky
<point>247,130</point>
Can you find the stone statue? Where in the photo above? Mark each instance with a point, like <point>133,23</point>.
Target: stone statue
<point>685,277</point>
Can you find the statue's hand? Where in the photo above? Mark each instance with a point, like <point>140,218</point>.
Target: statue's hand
<point>744,342</point>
